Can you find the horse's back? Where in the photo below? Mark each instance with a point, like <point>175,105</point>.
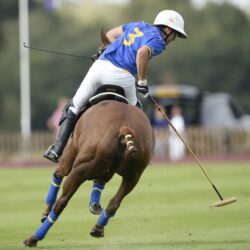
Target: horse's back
<point>109,116</point>
<point>97,137</point>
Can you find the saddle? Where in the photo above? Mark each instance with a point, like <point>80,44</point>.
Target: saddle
<point>108,92</point>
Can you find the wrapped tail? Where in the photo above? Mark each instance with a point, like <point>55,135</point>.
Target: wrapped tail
<point>127,139</point>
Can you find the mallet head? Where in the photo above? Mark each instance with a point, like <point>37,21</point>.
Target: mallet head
<point>224,202</point>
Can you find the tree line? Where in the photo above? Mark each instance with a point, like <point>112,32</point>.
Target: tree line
<point>214,58</point>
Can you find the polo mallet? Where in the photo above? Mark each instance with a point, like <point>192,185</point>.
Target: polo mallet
<point>222,201</point>
<point>55,52</point>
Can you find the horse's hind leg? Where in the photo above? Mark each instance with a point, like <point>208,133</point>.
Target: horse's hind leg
<point>126,187</point>
<point>70,186</point>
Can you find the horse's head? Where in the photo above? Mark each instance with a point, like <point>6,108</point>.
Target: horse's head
<point>104,39</point>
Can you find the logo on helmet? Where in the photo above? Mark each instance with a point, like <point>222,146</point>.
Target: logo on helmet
<point>171,20</point>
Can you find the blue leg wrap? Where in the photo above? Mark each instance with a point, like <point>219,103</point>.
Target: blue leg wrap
<point>42,231</point>
<point>104,218</point>
<point>53,190</point>
<point>96,193</point>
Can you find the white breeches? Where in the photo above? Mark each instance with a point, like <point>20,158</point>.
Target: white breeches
<point>100,73</point>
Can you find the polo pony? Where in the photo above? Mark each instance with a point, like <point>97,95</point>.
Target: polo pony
<point>111,137</point>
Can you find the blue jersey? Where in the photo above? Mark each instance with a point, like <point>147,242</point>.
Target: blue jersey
<point>122,52</point>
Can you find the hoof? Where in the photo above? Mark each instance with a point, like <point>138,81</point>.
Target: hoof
<point>97,231</point>
<point>95,208</point>
<point>45,214</point>
<point>31,242</point>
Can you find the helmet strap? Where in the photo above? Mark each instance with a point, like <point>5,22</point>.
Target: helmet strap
<point>166,34</point>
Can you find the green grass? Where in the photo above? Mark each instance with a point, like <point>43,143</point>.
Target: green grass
<point>168,209</point>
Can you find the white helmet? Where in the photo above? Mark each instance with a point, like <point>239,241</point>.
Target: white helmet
<point>173,20</point>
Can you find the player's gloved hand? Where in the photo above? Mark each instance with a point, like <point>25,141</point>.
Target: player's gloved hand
<point>142,87</point>
<point>99,51</point>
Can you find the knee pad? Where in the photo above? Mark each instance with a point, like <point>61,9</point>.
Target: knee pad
<point>67,112</point>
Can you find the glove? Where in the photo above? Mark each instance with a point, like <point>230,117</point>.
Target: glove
<point>142,87</point>
<point>98,53</point>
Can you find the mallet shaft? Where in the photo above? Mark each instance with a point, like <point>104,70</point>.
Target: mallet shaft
<point>55,52</point>
<point>157,106</point>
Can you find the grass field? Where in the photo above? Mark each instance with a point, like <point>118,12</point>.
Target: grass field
<point>168,209</point>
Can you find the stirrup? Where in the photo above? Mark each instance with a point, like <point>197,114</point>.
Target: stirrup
<point>51,155</point>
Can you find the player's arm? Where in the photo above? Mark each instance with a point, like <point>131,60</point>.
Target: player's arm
<point>107,38</point>
<point>142,58</point>
<point>114,33</point>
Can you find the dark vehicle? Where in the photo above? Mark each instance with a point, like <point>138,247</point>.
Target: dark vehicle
<point>205,109</point>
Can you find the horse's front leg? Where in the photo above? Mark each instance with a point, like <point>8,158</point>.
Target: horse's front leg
<point>69,188</point>
<point>126,186</point>
<point>63,170</point>
<point>95,197</point>
<point>52,194</point>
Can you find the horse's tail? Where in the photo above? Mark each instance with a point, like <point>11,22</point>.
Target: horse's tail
<point>128,139</point>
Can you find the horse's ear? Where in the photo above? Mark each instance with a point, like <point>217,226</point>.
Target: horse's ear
<point>104,38</point>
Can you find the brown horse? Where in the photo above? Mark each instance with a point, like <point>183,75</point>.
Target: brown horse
<point>110,137</point>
